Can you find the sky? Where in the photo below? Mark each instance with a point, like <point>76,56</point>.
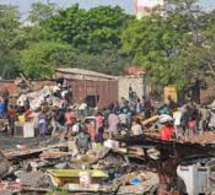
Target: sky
<point>127,5</point>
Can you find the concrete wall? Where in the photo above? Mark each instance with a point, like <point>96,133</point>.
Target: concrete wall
<point>135,82</point>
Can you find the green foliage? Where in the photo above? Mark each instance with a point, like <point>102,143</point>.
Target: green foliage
<point>152,41</point>
<point>109,63</point>
<point>10,40</point>
<point>173,50</point>
<point>40,12</point>
<point>187,32</point>
<point>91,31</point>
<point>41,59</point>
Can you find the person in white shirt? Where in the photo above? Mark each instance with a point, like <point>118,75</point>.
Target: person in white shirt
<point>177,116</point>
<point>76,128</point>
<point>137,128</point>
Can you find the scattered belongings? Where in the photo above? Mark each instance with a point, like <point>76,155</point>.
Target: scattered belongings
<point>36,98</point>
<point>60,177</point>
<point>138,182</point>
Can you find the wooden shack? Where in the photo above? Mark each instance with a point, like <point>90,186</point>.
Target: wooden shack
<point>97,88</point>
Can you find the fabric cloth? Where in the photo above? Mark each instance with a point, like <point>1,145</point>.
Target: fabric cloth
<point>123,118</point>
<point>75,128</point>
<point>42,128</point>
<point>5,105</point>
<point>113,122</point>
<point>82,140</point>
<point>136,129</point>
<point>192,125</point>
<point>91,130</point>
<point>99,121</point>
<point>20,110</point>
<point>63,103</point>
<point>12,112</point>
<point>63,93</point>
<point>212,120</point>
<point>138,108</point>
<point>177,118</point>
<point>1,109</point>
<point>204,113</point>
<point>42,120</point>
<point>70,118</point>
<point>99,138</point>
<point>164,118</point>
<point>125,109</point>
<point>83,106</point>
<point>166,132</point>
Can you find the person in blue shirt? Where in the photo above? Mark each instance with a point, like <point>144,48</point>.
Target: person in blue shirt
<point>1,109</point>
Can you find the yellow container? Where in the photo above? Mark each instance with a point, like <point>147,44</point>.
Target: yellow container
<point>61,177</point>
<point>21,118</point>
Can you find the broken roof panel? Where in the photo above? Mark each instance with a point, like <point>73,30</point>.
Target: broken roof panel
<point>81,74</point>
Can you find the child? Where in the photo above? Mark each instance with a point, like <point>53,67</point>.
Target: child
<point>99,139</point>
<point>83,141</point>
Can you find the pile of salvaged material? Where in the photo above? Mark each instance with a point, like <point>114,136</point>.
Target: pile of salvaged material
<point>171,154</point>
<point>107,171</point>
<point>36,98</point>
<point>204,138</point>
<point>138,164</point>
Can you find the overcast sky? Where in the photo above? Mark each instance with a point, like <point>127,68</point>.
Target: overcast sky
<point>125,4</point>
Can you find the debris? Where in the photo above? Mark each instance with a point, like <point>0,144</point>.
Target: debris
<point>60,177</point>
<point>204,138</point>
<point>5,166</point>
<point>33,179</point>
<point>7,188</point>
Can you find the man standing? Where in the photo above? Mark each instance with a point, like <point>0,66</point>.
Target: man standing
<point>1,109</point>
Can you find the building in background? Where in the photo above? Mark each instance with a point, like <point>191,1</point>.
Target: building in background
<point>95,88</point>
<point>133,78</point>
<point>148,7</point>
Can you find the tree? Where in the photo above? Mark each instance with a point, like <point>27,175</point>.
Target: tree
<point>154,43</point>
<point>198,46</point>
<point>42,11</point>
<point>108,63</point>
<point>91,31</point>
<point>171,49</point>
<point>41,59</point>
<point>10,40</point>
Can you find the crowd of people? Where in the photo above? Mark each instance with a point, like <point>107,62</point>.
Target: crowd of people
<point>124,117</point>
<point>185,121</point>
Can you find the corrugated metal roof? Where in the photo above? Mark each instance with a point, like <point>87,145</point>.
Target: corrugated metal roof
<point>85,73</point>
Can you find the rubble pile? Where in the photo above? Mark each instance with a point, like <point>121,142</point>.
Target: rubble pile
<point>204,138</point>
<point>36,98</point>
<point>80,155</point>
<point>138,165</point>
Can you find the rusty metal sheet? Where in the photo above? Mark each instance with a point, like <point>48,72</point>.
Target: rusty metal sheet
<point>107,91</point>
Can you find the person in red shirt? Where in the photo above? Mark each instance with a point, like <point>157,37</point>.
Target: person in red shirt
<point>167,132</point>
<point>70,121</point>
<point>12,118</point>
